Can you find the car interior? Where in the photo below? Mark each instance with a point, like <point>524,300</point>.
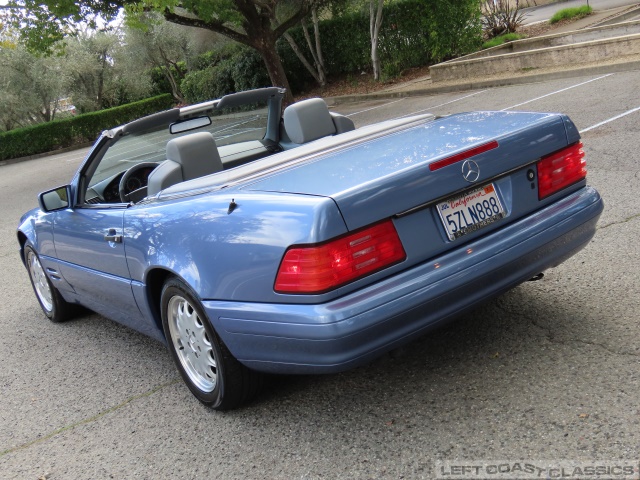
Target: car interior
<point>150,157</point>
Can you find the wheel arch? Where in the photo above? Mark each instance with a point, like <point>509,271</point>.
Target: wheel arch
<point>22,240</point>
<point>155,280</point>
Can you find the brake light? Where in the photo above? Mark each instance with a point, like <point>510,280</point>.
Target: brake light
<point>472,152</point>
<point>561,169</point>
<point>323,267</point>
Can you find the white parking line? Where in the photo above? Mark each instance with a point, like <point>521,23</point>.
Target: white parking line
<point>610,120</point>
<point>442,104</point>
<point>373,108</point>
<point>557,91</point>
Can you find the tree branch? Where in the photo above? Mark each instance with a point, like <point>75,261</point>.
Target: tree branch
<point>304,10</point>
<point>217,27</point>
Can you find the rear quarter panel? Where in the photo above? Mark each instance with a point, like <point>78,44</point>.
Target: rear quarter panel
<point>222,255</point>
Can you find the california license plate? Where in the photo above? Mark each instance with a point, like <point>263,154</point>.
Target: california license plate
<point>470,211</point>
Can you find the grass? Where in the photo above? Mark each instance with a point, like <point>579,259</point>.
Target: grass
<point>500,39</point>
<point>575,13</point>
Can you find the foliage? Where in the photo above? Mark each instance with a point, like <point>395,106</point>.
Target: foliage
<point>254,23</point>
<point>92,70</point>
<point>101,74</point>
<point>500,39</point>
<point>46,137</point>
<point>501,16</point>
<point>30,87</point>
<point>165,47</point>
<point>414,33</point>
<point>42,25</point>
<point>227,69</point>
<point>574,12</point>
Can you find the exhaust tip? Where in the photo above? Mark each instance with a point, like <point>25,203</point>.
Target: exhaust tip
<point>537,277</point>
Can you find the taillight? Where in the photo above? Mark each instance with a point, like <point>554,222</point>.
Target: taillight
<point>322,267</point>
<point>561,169</point>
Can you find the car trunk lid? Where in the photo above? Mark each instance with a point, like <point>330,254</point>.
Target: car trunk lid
<point>392,174</point>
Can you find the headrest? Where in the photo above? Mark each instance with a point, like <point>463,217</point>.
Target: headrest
<point>308,120</point>
<point>197,153</point>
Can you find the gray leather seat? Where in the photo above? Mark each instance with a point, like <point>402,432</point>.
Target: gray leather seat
<point>188,157</point>
<point>309,120</point>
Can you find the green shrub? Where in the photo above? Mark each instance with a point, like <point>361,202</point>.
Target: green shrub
<point>500,39</point>
<point>231,68</point>
<point>567,13</point>
<point>413,33</point>
<point>46,137</point>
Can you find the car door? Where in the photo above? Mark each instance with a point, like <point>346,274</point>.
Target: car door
<point>89,242</point>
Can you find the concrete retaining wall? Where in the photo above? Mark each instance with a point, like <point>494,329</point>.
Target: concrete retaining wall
<point>557,40</point>
<point>581,53</point>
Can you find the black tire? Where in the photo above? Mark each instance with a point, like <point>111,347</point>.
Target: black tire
<point>210,371</point>
<point>53,305</point>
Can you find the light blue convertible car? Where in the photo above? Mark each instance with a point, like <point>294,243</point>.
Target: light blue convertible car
<point>252,240</point>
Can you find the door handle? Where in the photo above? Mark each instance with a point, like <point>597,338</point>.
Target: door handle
<point>112,236</point>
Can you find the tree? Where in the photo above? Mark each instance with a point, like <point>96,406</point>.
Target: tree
<point>44,24</point>
<point>251,22</point>
<point>30,86</point>
<point>375,22</point>
<point>102,72</point>
<point>318,71</point>
<point>89,60</point>
<point>161,45</point>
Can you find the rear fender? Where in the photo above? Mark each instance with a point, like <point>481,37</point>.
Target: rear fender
<point>222,252</point>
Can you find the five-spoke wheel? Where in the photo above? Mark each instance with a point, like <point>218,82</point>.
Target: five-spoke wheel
<point>210,371</point>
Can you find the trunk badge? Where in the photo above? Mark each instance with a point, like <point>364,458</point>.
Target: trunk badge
<point>470,171</point>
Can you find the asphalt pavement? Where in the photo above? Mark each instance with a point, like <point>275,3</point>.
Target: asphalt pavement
<point>548,372</point>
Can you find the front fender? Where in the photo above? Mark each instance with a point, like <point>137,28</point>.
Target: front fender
<point>36,228</point>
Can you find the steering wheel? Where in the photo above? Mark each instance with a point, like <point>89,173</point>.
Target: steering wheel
<point>125,193</point>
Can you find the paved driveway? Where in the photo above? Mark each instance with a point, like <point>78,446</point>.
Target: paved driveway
<point>548,371</point>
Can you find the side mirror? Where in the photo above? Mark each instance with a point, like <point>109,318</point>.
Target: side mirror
<point>55,199</point>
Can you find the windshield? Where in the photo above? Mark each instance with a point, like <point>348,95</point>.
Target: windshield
<point>228,127</point>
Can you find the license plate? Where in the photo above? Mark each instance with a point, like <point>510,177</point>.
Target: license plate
<point>470,211</point>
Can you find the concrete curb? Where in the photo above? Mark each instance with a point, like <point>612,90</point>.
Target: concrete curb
<point>627,14</point>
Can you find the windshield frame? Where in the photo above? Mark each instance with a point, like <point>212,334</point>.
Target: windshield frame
<point>271,96</point>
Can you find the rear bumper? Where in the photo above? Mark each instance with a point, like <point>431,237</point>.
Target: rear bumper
<point>354,329</point>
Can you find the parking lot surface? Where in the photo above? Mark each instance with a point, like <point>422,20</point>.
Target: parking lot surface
<point>548,371</point>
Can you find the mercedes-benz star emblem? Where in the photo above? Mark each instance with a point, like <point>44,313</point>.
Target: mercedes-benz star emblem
<point>470,171</point>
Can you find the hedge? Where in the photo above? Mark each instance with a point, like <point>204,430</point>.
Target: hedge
<point>46,137</point>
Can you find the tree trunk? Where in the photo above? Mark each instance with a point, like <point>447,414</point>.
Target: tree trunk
<point>375,21</point>
<point>275,69</point>
<point>101,81</point>
<point>316,32</point>
<point>296,49</point>
<point>316,54</point>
